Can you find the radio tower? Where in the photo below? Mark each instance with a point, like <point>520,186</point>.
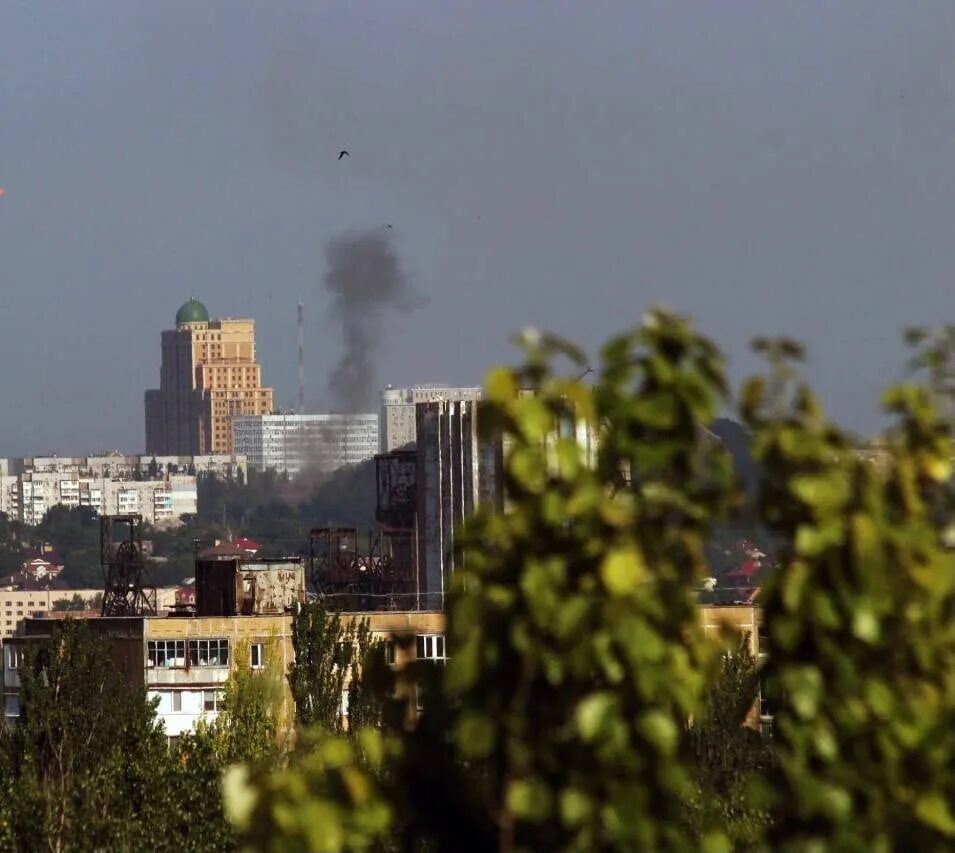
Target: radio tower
<point>301,357</point>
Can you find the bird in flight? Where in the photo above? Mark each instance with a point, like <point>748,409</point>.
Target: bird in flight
<point>343,154</point>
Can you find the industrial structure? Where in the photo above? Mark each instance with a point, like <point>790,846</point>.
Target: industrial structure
<point>289,443</point>
<point>126,591</point>
<point>398,406</point>
<point>209,373</point>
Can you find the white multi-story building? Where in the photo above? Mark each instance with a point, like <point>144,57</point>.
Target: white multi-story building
<point>289,443</point>
<point>126,466</point>
<point>163,501</point>
<point>398,410</point>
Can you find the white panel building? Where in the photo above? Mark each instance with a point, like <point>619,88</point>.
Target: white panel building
<point>289,443</point>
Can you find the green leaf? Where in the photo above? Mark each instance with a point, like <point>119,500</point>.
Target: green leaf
<point>593,712</point>
<point>660,730</point>
<point>529,799</point>
<point>475,734</point>
<point>623,570</point>
<point>575,806</point>
<point>933,810</point>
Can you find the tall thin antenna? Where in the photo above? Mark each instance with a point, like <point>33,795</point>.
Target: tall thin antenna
<point>301,357</point>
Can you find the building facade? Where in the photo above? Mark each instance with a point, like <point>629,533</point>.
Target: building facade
<point>209,374</point>
<point>163,501</point>
<point>18,604</point>
<point>398,423</point>
<point>126,466</point>
<point>289,443</point>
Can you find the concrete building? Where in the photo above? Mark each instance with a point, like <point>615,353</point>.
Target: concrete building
<point>288,443</point>
<point>243,606</point>
<point>18,604</point>
<point>209,373</point>
<point>398,421</point>
<point>125,466</point>
<point>457,471</point>
<point>163,501</point>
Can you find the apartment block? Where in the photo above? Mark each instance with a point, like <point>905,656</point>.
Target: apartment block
<point>289,443</point>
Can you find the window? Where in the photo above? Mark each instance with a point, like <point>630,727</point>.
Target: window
<point>211,700</point>
<point>390,652</point>
<point>430,647</point>
<point>256,658</point>
<point>11,705</point>
<point>14,657</point>
<point>166,653</point>
<point>176,701</point>
<point>209,652</point>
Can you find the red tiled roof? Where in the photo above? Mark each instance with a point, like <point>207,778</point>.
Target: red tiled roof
<point>747,569</point>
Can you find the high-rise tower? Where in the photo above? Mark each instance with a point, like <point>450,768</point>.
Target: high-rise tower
<point>208,374</point>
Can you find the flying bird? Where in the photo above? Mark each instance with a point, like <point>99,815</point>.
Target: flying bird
<point>343,153</point>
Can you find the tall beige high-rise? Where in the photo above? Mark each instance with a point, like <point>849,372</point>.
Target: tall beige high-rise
<point>209,373</point>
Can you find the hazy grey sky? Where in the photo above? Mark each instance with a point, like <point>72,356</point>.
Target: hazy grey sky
<point>769,167</point>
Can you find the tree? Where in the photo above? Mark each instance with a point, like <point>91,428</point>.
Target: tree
<point>860,615</point>
<point>728,753</point>
<point>250,725</point>
<point>581,707</point>
<point>329,653</point>
<point>84,751</point>
<point>577,653</point>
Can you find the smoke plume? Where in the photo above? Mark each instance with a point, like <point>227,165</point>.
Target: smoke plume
<point>367,286</point>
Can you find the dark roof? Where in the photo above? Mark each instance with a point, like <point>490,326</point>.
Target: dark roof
<point>222,551</point>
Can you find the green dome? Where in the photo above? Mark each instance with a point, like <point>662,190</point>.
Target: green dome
<point>192,311</point>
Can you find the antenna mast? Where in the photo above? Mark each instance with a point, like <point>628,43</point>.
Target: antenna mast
<point>301,357</point>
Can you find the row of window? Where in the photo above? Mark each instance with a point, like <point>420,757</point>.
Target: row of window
<point>206,652</point>
<point>211,700</point>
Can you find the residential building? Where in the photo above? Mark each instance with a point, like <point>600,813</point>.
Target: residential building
<point>289,443</point>
<point>124,466</point>
<point>163,502</point>
<point>25,599</point>
<point>209,374</point>
<point>398,421</point>
<point>243,606</point>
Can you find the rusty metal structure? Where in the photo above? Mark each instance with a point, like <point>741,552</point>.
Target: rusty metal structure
<point>397,488</point>
<point>375,572</point>
<point>248,586</point>
<point>124,567</point>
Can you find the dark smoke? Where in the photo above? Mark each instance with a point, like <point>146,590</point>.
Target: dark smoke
<point>367,286</point>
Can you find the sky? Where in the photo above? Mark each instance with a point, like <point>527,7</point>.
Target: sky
<point>767,167</point>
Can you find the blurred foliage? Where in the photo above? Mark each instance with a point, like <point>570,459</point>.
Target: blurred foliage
<point>328,800</point>
<point>860,625</point>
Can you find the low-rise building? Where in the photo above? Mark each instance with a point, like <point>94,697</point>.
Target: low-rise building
<point>125,466</point>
